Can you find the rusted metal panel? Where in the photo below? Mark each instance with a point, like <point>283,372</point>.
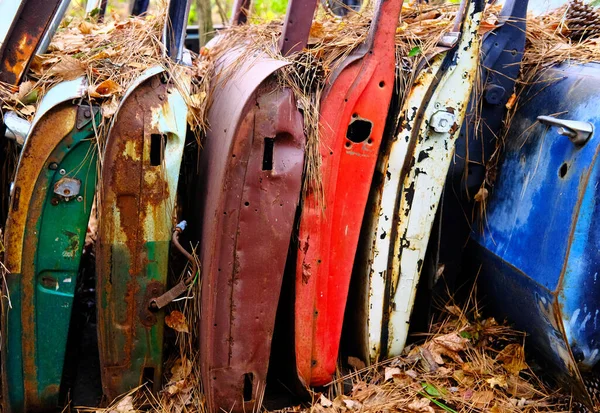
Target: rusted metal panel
<point>23,38</point>
<point>137,196</point>
<point>46,227</point>
<point>240,12</point>
<point>251,169</point>
<point>295,32</point>
<point>351,134</point>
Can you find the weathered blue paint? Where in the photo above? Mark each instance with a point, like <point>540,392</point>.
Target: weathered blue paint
<point>501,55</point>
<point>538,257</point>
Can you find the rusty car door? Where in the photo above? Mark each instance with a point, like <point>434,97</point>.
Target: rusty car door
<point>351,133</point>
<point>251,176</point>
<point>49,210</point>
<point>137,191</point>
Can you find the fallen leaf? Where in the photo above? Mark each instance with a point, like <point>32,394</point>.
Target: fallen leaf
<point>67,68</point>
<point>482,398</point>
<point>403,26</point>
<point>107,88</point>
<point>499,381</point>
<point>110,107</point>
<point>411,373</point>
<point>352,404</point>
<point>176,320</point>
<point>181,369</point>
<point>485,27</point>
<point>25,88</point>
<point>136,65</point>
<point>197,100</point>
<point>517,387</point>
<point>356,363</point>
<point>421,405</point>
<point>27,110</point>
<point>390,372</point>
<point>125,405</point>
<point>428,361</point>
<point>324,401</point>
<point>462,379</point>
<point>498,409</point>
<point>447,345</point>
<point>316,30</point>
<point>513,358</point>
<point>85,27</point>
<point>481,195</point>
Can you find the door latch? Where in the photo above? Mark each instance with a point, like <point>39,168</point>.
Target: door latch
<point>181,287</point>
<point>577,131</point>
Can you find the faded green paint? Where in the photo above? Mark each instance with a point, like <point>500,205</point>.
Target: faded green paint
<point>135,232</point>
<point>146,347</point>
<point>58,237</point>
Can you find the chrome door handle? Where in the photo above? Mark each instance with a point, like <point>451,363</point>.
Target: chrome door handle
<point>578,132</point>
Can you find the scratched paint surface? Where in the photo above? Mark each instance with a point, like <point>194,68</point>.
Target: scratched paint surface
<point>251,170</point>
<point>375,267</point>
<point>351,134</point>
<point>137,197</point>
<point>22,39</point>
<point>540,248</point>
<point>423,185</point>
<point>44,238</point>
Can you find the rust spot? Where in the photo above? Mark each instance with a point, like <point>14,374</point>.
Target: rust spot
<point>24,38</point>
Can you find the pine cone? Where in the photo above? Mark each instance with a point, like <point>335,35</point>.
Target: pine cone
<point>583,20</point>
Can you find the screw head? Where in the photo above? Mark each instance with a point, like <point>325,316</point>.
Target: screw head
<point>62,172</point>
<point>53,166</point>
<point>441,121</point>
<point>79,198</point>
<point>87,113</point>
<point>54,201</point>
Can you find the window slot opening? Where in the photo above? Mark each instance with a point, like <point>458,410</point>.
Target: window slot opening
<point>158,141</point>
<point>248,384</point>
<point>267,163</point>
<point>148,375</point>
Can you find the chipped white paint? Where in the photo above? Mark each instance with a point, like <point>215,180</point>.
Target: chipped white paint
<point>427,176</point>
<point>381,229</point>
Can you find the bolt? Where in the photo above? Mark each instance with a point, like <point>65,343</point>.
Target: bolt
<point>441,121</point>
<point>66,191</point>
<point>54,201</point>
<point>79,198</point>
<point>62,172</point>
<point>87,113</point>
<point>494,94</point>
<point>53,166</point>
